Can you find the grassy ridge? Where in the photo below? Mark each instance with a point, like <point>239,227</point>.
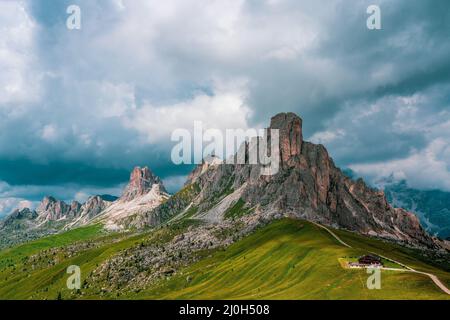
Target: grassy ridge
<point>408,256</point>
<point>288,260</point>
<point>50,282</point>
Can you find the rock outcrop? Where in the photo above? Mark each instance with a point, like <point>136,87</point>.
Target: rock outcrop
<point>142,180</point>
<point>144,192</point>
<point>92,208</point>
<point>18,214</point>
<point>51,209</point>
<point>291,136</point>
<point>18,227</point>
<point>51,216</point>
<point>211,161</point>
<point>309,186</point>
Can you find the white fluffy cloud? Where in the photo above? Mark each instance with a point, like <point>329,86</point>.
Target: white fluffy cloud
<point>224,109</point>
<point>17,56</point>
<point>109,95</point>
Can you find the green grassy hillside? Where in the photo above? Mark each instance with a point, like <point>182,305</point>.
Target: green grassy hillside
<point>13,255</point>
<point>291,260</point>
<point>288,259</point>
<point>37,270</point>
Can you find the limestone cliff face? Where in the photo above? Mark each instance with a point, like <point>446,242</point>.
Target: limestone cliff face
<point>75,208</point>
<point>209,162</point>
<point>144,192</point>
<point>142,180</point>
<point>291,136</point>
<point>17,215</point>
<point>93,206</point>
<point>51,216</point>
<point>310,186</point>
<point>51,209</point>
<point>88,211</point>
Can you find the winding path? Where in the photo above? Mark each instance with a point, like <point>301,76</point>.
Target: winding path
<point>409,269</point>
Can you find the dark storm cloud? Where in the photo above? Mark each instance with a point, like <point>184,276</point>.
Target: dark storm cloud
<point>84,107</point>
<point>412,49</point>
<point>25,172</point>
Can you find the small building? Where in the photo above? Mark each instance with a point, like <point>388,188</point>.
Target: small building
<point>367,261</point>
<point>370,260</point>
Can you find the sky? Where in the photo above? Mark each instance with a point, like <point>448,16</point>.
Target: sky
<point>80,108</point>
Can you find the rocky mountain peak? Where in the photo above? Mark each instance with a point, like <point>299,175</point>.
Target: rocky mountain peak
<point>15,221</point>
<point>144,192</point>
<point>52,209</point>
<point>94,201</point>
<point>291,135</point>
<point>24,213</point>
<point>308,186</point>
<point>141,182</point>
<point>75,206</point>
<point>93,207</point>
<point>207,162</point>
<point>47,201</point>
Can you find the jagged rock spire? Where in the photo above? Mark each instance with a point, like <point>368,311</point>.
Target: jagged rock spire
<point>291,135</point>
<point>309,186</point>
<point>141,182</point>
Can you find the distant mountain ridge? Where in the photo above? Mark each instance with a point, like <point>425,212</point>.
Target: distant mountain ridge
<point>145,191</point>
<point>51,216</point>
<point>431,206</point>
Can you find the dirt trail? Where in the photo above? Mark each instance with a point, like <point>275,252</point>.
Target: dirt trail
<point>433,277</point>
